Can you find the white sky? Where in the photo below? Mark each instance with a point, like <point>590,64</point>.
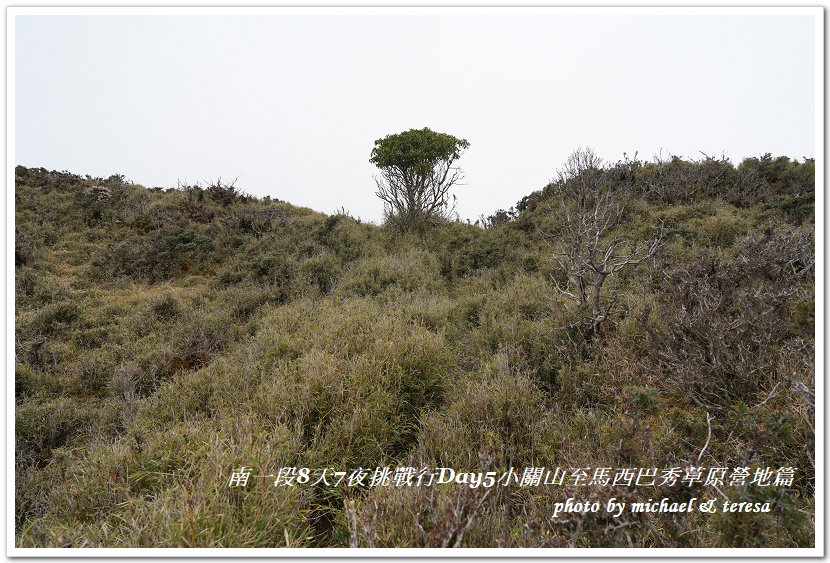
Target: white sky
<point>292,104</point>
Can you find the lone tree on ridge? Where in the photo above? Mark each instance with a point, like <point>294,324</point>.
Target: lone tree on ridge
<point>417,173</point>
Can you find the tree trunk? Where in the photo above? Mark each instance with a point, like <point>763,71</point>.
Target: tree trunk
<point>597,303</point>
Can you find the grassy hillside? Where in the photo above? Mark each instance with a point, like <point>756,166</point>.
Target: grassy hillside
<point>166,337</point>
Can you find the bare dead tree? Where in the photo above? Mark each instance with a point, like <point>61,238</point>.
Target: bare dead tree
<point>589,249</point>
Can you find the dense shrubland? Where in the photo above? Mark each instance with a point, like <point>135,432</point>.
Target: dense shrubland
<point>164,337</point>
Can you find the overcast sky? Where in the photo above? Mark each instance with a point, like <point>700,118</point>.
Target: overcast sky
<point>291,105</point>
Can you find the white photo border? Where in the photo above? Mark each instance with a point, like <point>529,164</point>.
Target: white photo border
<point>12,550</point>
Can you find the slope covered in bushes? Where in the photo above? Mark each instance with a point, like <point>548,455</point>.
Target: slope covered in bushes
<point>166,337</point>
